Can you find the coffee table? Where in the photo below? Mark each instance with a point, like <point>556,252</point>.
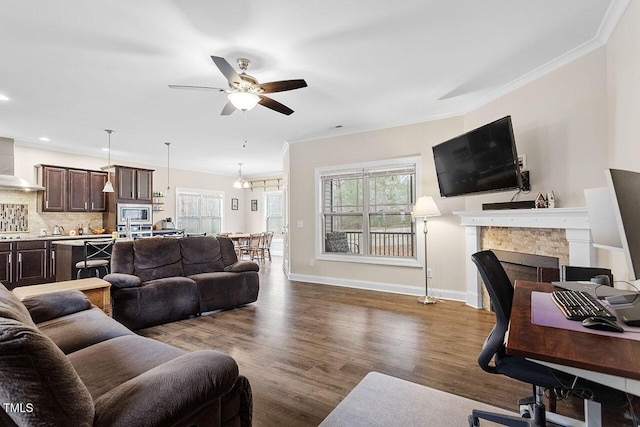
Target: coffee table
<point>96,289</point>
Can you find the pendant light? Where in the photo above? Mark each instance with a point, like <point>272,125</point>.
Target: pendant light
<point>108,187</point>
<point>241,183</point>
<point>168,190</point>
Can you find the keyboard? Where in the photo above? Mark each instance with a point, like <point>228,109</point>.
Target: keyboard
<point>578,305</point>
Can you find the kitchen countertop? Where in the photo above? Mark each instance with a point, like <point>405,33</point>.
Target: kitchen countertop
<point>60,237</point>
<point>79,242</point>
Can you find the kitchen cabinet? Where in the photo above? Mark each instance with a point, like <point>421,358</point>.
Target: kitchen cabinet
<point>72,190</point>
<point>31,262</point>
<point>54,181</point>
<point>78,190</point>
<point>6,270</point>
<point>97,199</point>
<point>133,184</point>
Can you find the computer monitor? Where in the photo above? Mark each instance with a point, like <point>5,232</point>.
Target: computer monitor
<point>625,191</point>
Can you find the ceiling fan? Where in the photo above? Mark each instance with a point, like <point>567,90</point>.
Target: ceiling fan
<point>245,91</point>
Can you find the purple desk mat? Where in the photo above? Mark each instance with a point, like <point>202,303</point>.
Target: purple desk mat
<point>544,312</point>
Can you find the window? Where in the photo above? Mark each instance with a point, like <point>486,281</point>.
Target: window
<point>199,211</point>
<point>366,210</point>
<point>274,213</point>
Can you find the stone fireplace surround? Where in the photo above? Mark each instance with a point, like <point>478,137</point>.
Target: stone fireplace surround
<point>560,232</point>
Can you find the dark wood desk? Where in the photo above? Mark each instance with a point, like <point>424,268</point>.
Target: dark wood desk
<point>618,357</point>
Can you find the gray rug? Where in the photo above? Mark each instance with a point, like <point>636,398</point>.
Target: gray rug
<point>381,400</point>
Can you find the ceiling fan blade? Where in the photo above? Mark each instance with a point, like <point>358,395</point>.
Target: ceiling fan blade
<point>228,109</point>
<point>227,70</point>
<point>283,85</point>
<point>196,88</point>
<point>274,105</point>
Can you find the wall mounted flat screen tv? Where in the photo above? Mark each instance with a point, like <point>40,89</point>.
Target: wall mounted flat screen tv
<point>481,160</point>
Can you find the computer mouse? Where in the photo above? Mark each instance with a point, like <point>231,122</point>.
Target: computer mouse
<point>601,324</point>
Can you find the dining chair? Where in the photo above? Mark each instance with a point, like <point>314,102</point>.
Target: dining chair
<point>97,257</point>
<point>266,244</point>
<point>255,246</point>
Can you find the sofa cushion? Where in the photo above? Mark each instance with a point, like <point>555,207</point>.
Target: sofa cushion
<point>155,302</point>
<point>224,290</point>
<point>200,255</point>
<point>12,308</point>
<point>243,266</point>
<point>110,363</point>
<point>228,250</point>
<point>56,304</point>
<point>155,258</point>
<point>82,329</point>
<point>34,371</point>
<point>122,257</point>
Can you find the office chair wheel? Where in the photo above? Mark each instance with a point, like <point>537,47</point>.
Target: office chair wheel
<point>474,421</point>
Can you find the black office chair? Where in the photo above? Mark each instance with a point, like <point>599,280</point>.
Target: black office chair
<point>493,358</point>
<point>97,257</point>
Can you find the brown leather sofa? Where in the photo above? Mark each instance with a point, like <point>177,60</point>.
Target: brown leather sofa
<point>164,279</point>
<point>66,363</point>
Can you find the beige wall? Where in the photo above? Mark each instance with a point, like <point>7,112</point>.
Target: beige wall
<point>562,122</point>
<point>623,89</point>
<point>446,238</point>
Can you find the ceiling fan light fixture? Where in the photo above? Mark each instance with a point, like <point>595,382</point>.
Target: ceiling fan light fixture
<point>243,100</point>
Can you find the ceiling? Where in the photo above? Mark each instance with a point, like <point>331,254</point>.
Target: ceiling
<point>72,69</point>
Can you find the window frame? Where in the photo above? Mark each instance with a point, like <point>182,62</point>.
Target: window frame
<point>199,192</point>
<point>266,195</point>
<point>321,172</point>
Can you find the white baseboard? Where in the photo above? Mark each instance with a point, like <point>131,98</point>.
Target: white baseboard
<point>381,287</point>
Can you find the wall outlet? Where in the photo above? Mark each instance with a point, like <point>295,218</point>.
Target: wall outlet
<point>312,262</point>
<point>429,273</point>
<point>522,161</point>
<point>300,223</point>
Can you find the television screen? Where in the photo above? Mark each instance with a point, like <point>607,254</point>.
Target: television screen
<point>484,159</point>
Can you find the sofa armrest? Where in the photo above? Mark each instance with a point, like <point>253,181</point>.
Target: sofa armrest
<point>122,280</point>
<point>56,304</point>
<point>241,266</point>
<point>169,393</point>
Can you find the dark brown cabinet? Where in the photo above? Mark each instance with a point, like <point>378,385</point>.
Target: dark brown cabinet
<point>97,199</point>
<point>54,181</point>
<point>72,190</point>
<point>78,190</point>
<point>6,258</point>
<point>134,185</point>
<point>31,263</point>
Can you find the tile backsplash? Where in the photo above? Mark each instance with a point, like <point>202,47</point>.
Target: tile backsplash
<point>19,216</point>
<point>14,217</point>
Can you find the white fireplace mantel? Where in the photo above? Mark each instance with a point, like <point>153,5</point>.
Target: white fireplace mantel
<point>574,221</point>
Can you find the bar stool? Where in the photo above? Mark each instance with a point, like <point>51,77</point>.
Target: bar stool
<point>97,256</point>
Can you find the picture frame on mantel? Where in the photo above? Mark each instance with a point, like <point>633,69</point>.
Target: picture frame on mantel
<point>234,204</point>
<point>254,205</point>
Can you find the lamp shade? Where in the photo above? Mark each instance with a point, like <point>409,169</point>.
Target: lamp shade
<point>425,206</point>
<point>243,100</point>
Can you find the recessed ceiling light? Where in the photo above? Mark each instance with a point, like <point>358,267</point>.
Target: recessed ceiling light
<point>44,138</point>
<point>105,149</point>
<point>4,97</point>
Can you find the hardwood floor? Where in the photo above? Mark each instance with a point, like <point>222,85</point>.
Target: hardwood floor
<point>305,346</point>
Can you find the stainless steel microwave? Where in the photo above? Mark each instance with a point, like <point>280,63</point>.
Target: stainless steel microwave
<point>137,214</point>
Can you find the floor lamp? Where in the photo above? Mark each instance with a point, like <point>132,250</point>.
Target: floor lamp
<point>424,208</point>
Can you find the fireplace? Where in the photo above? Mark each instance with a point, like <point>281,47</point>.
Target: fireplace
<point>525,266</point>
<point>560,233</point>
